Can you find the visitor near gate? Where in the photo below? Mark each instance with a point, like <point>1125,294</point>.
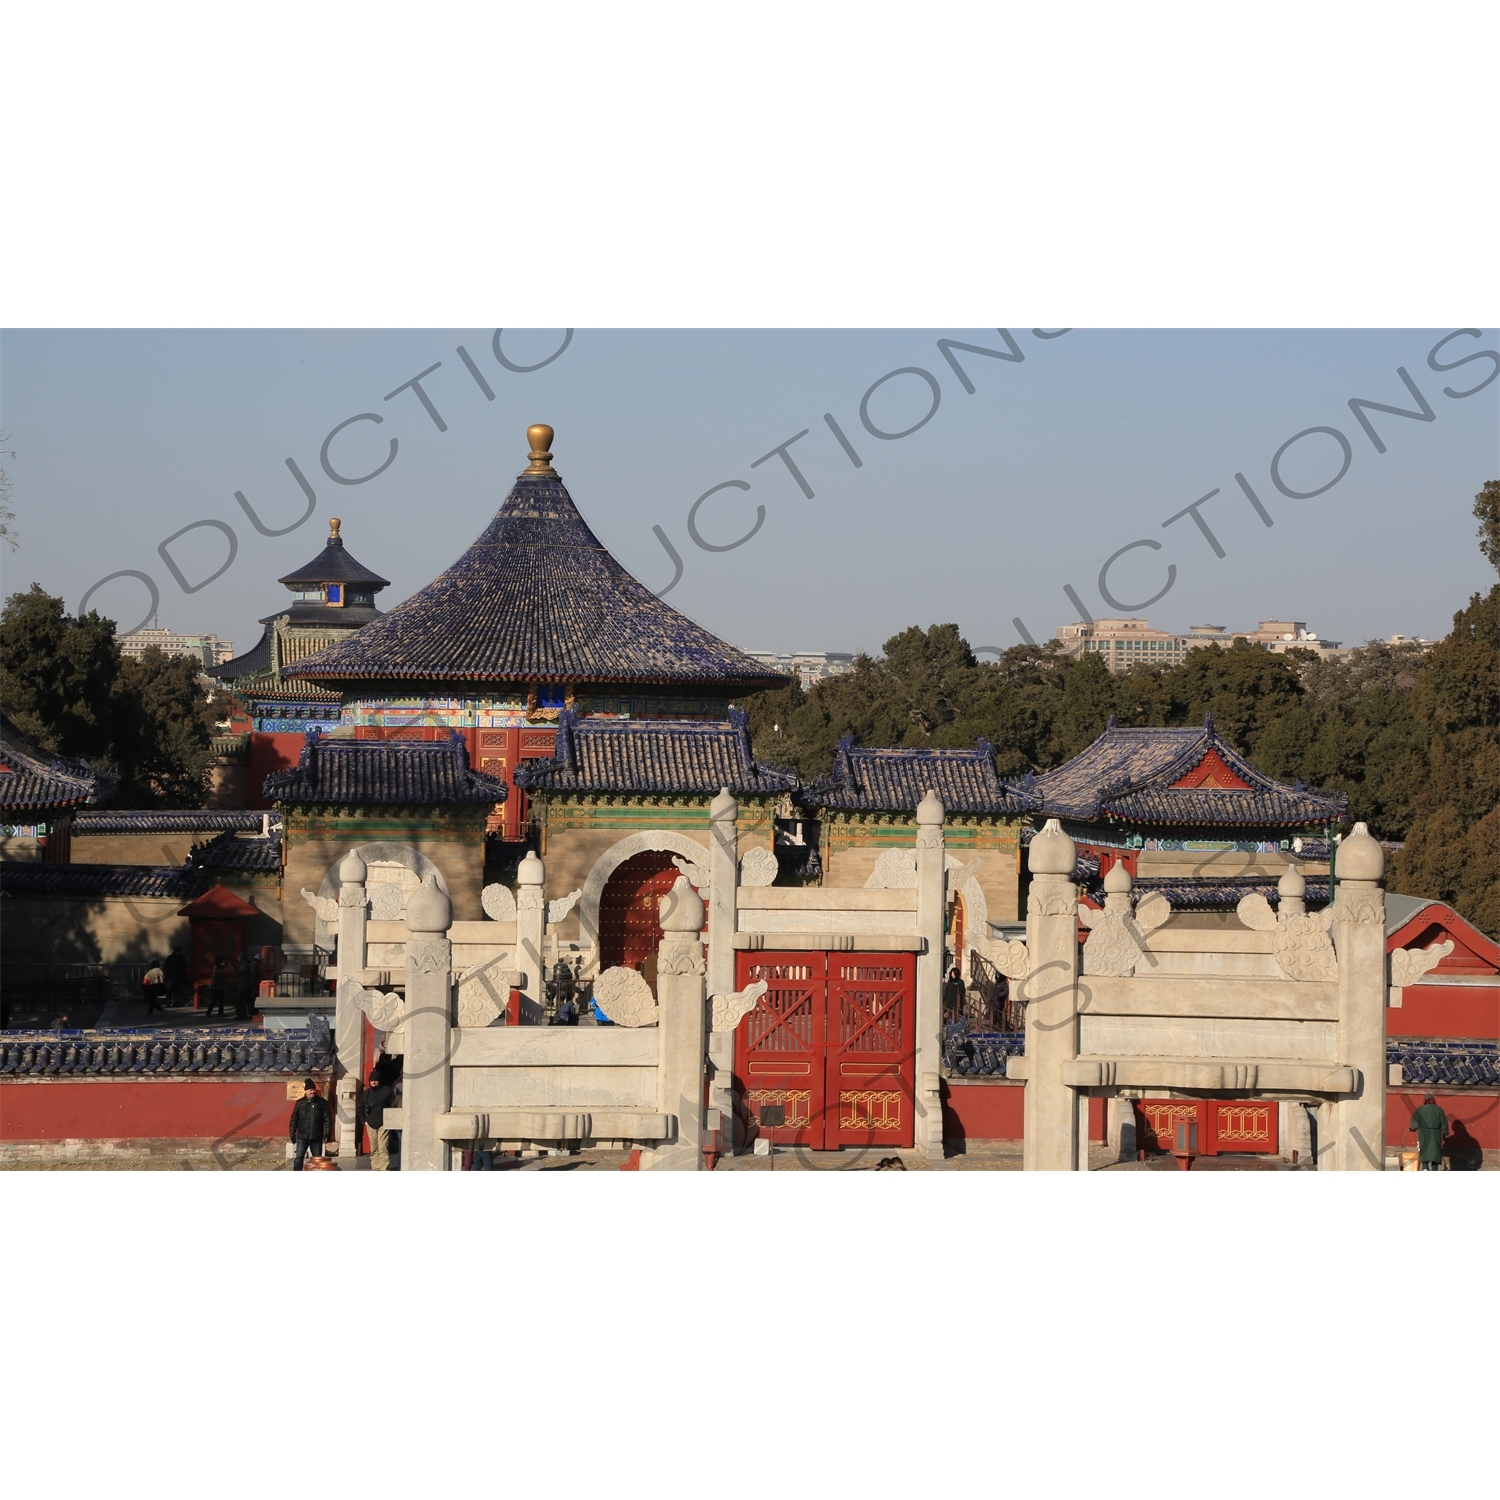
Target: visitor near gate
<point>175,969</point>
<point>954,995</point>
<point>244,988</point>
<point>154,986</point>
<point>311,1124</point>
<point>1431,1125</point>
<point>376,1098</point>
<point>219,985</point>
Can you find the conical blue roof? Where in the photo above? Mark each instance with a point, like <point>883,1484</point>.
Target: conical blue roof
<point>538,597</point>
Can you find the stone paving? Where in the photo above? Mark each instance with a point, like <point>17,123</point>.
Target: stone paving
<point>270,1156</point>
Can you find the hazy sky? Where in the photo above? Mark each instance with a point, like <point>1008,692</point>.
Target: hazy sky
<point>983,514</point>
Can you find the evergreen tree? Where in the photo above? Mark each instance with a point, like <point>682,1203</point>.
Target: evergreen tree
<point>63,681</point>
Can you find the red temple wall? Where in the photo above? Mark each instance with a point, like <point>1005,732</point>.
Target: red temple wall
<point>58,1109</point>
<point>1479,1114</point>
<point>1446,1010</point>
<point>996,1112</point>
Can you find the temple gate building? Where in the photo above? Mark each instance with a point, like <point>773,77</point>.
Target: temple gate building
<point>1186,814</point>
<point>535,665</point>
<point>866,807</point>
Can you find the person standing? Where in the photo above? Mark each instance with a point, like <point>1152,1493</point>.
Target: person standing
<point>1431,1125</point>
<point>244,988</point>
<point>154,985</point>
<point>311,1124</point>
<point>218,987</point>
<point>374,1103</point>
<point>954,996</point>
<point>175,968</point>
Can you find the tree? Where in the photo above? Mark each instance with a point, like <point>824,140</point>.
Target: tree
<point>57,672</point>
<point>63,681</point>
<point>163,727</point>
<point>1487,511</point>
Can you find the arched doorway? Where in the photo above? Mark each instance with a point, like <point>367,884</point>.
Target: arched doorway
<point>628,927</point>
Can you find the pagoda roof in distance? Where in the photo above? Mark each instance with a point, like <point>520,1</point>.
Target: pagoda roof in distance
<point>684,759</point>
<point>334,565</point>
<point>896,779</point>
<point>538,597</point>
<point>1132,776</point>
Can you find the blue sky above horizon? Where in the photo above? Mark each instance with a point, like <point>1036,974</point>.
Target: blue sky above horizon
<point>981,515</point>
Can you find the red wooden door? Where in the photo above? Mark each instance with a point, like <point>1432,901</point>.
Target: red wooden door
<point>629,929</point>
<point>830,1040</point>
<point>781,1046</point>
<point>870,1055</point>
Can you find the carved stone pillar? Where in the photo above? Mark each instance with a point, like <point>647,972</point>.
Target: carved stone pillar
<point>931,890</point>
<point>1359,937</point>
<point>348,1018</point>
<point>681,997</point>
<point>723,865</point>
<point>426,1078</point>
<point>531,922</point>
<point>1050,990</point>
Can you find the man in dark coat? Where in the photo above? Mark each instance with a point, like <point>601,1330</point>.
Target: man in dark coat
<point>1431,1125</point>
<point>175,968</point>
<point>373,1105</point>
<point>244,988</point>
<point>311,1124</point>
<point>218,987</point>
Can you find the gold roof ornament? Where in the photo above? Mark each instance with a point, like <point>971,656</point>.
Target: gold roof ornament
<point>333,528</point>
<point>540,438</point>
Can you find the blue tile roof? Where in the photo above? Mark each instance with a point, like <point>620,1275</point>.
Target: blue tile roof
<point>383,772</point>
<point>256,659</point>
<point>33,782</point>
<point>168,820</point>
<point>877,780</point>
<point>179,882</point>
<point>1127,775</point>
<point>594,755</point>
<point>1217,892</point>
<point>334,565</point>
<point>537,598</point>
<point>231,852</point>
<point>166,1050</point>
<point>1430,1061</point>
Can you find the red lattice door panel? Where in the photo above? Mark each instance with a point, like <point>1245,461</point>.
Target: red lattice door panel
<point>870,1055</point>
<point>1224,1125</point>
<point>781,1046</point>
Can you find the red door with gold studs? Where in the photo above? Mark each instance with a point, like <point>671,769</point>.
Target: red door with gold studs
<point>629,930</point>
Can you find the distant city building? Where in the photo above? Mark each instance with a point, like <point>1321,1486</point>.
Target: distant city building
<point>810,666</point>
<point>206,649</point>
<point>1124,642</point>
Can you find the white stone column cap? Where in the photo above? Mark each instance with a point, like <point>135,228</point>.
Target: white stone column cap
<point>352,869</point>
<point>531,870</point>
<point>929,809</point>
<point>428,908</point>
<point>681,908</point>
<point>1360,857</point>
<point>1052,852</point>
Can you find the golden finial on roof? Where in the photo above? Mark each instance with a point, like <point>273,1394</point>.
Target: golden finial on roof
<point>540,438</point>
<point>333,528</point>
